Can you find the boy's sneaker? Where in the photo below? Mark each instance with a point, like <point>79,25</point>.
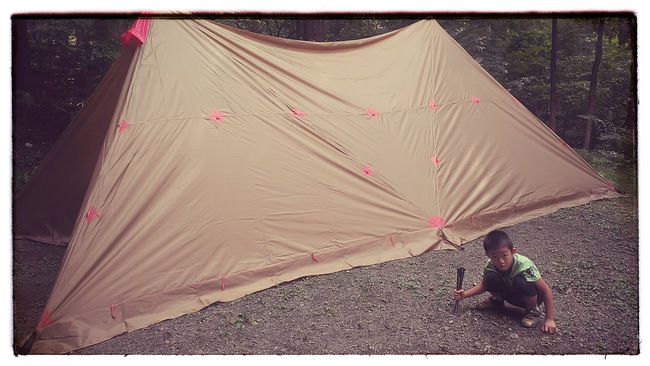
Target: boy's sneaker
<point>490,303</point>
<point>531,317</point>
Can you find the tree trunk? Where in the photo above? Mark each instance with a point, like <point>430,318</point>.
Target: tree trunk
<point>593,88</point>
<point>553,101</point>
<point>630,120</point>
<point>23,75</point>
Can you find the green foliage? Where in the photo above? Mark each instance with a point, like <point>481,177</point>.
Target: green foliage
<point>410,285</point>
<point>242,320</point>
<point>614,167</point>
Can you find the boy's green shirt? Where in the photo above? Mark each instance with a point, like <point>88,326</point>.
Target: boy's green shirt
<point>520,266</point>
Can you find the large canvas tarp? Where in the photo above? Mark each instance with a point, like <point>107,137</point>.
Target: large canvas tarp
<point>224,162</point>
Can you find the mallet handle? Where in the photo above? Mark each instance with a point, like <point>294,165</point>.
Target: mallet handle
<point>460,273</point>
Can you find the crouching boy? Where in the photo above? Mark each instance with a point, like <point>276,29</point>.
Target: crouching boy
<point>513,278</point>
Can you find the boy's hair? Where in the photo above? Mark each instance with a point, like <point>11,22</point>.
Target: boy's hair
<point>496,239</point>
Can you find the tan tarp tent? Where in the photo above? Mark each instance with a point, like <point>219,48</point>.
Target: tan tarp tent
<point>213,162</point>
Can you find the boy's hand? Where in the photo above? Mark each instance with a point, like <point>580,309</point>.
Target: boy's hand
<point>549,326</point>
<point>459,294</point>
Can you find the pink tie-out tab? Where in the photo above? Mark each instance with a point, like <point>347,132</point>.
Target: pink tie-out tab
<point>367,170</point>
<point>436,221</point>
<point>122,126</point>
<point>435,160</point>
<point>298,113</point>
<point>433,104</point>
<point>216,116</point>
<point>92,213</point>
<point>476,100</point>
<point>313,257</point>
<point>372,113</point>
<point>46,319</point>
<point>113,311</point>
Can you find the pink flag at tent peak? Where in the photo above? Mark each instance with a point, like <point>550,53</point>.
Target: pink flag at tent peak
<point>137,34</point>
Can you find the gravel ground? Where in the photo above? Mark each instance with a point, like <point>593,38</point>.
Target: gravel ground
<point>589,255</point>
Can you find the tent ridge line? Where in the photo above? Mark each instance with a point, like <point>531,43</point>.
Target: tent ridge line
<point>291,113</point>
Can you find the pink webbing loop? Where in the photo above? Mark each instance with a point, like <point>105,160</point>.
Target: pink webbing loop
<point>92,213</point>
<point>367,170</point>
<point>436,221</point>
<point>216,116</point>
<point>122,126</point>
<point>313,257</point>
<point>298,113</point>
<point>45,320</point>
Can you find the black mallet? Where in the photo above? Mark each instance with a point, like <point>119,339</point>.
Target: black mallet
<point>460,273</point>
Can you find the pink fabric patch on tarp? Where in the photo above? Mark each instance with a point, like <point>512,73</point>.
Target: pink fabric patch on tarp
<point>122,126</point>
<point>372,113</point>
<point>92,213</point>
<point>313,257</point>
<point>45,320</point>
<point>436,221</point>
<point>367,170</point>
<point>433,104</point>
<point>137,34</point>
<point>476,100</point>
<point>217,116</point>
<point>435,160</point>
<point>298,113</point>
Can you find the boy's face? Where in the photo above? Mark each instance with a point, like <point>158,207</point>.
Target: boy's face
<point>501,257</point>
